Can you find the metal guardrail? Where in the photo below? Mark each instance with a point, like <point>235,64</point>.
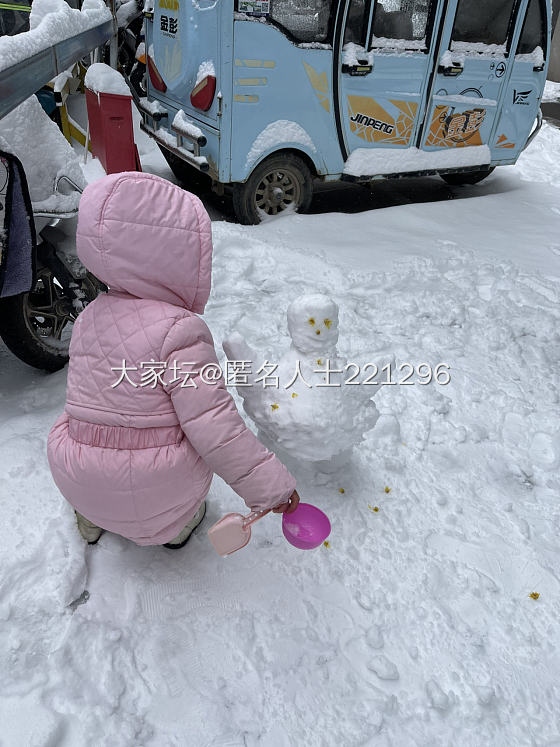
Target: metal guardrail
<point>22,80</point>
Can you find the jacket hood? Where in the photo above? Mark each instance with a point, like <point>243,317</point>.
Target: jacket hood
<point>142,235</point>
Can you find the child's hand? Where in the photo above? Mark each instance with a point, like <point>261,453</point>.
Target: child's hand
<point>290,507</point>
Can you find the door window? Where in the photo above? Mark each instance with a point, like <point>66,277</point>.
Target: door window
<point>357,22</point>
<point>400,23</point>
<point>533,34</point>
<point>304,20</point>
<point>485,23</point>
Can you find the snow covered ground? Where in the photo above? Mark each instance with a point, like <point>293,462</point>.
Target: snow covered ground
<point>415,626</point>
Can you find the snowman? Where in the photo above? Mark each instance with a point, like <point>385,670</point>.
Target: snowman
<point>308,413</point>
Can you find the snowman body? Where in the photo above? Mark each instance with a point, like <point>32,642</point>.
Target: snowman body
<point>312,415</point>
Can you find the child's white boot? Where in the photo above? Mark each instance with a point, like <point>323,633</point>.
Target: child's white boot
<point>183,537</point>
<point>89,531</point>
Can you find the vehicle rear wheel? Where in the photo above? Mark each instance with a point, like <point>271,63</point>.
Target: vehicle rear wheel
<point>469,177</point>
<point>186,175</point>
<point>279,183</point>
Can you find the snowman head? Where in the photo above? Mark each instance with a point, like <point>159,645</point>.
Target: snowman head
<point>313,323</point>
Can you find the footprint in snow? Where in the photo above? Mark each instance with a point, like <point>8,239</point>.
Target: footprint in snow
<point>383,668</point>
<point>374,637</point>
<point>438,699</point>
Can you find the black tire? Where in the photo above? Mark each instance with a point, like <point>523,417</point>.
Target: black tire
<point>45,347</point>
<point>187,176</point>
<point>469,177</point>
<point>279,182</point>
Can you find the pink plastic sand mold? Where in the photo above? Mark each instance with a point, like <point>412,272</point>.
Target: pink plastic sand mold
<point>307,527</point>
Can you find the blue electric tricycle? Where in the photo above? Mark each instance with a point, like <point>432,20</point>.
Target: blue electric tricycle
<point>265,96</point>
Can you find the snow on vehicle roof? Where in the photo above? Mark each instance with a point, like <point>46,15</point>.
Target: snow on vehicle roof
<point>51,21</point>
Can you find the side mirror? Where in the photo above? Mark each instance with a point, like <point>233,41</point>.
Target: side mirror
<point>17,230</point>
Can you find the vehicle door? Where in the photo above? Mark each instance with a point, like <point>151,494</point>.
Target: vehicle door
<point>522,99</point>
<point>383,55</point>
<point>472,66</point>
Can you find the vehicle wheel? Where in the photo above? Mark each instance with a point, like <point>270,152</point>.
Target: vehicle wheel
<point>37,326</point>
<point>186,175</point>
<point>469,177</point>
<point>279,183</point>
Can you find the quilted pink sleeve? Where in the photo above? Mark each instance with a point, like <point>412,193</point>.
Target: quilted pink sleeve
<point>211,422</point>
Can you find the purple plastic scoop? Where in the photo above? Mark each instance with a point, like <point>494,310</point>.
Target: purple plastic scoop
<point>307,527</point>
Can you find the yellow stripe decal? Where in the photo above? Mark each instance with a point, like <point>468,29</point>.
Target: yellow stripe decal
<point>251,81</point>
<point>255,63</point>
<point>245,99</point>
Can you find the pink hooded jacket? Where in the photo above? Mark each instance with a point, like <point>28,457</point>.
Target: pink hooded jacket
<point>139,461</point>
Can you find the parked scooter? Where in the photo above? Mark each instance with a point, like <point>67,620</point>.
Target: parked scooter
<point>36,325</point>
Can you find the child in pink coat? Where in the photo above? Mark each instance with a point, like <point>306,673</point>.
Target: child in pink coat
<point>137,457</point>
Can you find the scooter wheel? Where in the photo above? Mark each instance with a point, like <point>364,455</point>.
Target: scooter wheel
<point>281,182</point>
<point>469,177</point>
<point>37,326</point>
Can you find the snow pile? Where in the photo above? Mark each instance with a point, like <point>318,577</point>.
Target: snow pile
<point>536,57</point>
<point>281,132</point>
<point>313,45</point>
<point>126,12</point>
<point>101,78</point>
<point>409,45</point>
<point>451,59</point>
<point>464,100</point>
<point>372,161</point>
<point>237,16</point>
<point>186,149</point>
<point>306,413</point>
<point>46,156</point>
<point>152,106</point>
<point>186,125</point>
<point>540,161</point>
<point>472,49</point>
<point>551,91</point>
<point>51,21</point>
<point>205,70</point>
<point>354,54</point>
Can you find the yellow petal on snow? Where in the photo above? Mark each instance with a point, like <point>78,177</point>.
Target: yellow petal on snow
<point>387,489</point>
<point>274,407</point>
<point>294,395</point>
<point>327,323</point>
<point>312,321</point>
<point>326,543</point>
<point>535,595</point>
<point>341,490</point>
<point>319,362</point>
<point>375,509</point>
